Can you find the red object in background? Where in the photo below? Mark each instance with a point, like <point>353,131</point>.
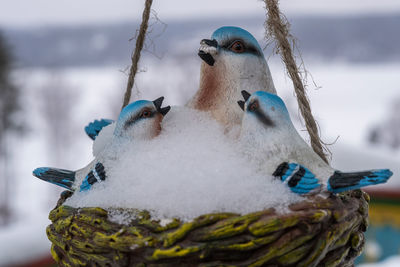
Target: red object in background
<point>44,262</point>
<point>384,193</point>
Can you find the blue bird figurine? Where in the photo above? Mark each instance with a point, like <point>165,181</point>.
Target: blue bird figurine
<point>232,61</point>
<point>272,139</point>
<point>137,121</point>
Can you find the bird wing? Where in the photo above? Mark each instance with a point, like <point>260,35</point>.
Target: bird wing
<point>93,128</point>
<point>97,174</point>
<point>299,179</point>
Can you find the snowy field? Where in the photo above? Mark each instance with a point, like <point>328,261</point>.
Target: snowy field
<point>353,98</point>
<point>393,261</point>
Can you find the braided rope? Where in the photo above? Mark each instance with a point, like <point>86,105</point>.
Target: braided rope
<point>278,27</point>
<point>138,48</point>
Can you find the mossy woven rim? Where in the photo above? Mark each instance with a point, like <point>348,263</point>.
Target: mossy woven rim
<point>317,231</point>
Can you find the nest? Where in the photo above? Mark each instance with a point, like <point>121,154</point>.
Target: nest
<point>317,231</point>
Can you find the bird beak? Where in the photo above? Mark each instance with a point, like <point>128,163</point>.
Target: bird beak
<point>241,104</point>
<point>207,48</point>
<point>164,110</point>
<point>246,95</point>
<point>157,103</point>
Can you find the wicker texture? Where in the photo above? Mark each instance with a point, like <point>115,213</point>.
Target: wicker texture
<point>318,231</point>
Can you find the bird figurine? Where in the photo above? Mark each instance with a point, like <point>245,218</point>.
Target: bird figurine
<point>232,60</point>
<point>269,136</point>
<point>138,121</point>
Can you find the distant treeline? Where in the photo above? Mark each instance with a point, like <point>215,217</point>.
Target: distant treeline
<point>354,39</point>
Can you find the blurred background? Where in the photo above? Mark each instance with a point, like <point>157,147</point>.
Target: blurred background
<point>63,64</point>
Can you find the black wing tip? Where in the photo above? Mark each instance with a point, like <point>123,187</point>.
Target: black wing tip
<point>281,169</point>
<point>99,166</point>
<point>296,177</point>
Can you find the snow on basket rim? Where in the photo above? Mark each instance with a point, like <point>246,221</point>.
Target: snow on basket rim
<point>191,168</point>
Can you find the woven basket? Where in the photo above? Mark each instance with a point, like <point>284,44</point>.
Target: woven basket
<point>323,232</point>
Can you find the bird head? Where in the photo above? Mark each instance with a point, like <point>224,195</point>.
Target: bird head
<point>233,61</point>
<point>233,42</point>
<point>266,109</point>
<point>141,119</point>
<point>233,52</point>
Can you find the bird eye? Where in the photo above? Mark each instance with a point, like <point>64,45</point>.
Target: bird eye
<point>237,47</point>
<point>253,106</point>
<point>145,114</point>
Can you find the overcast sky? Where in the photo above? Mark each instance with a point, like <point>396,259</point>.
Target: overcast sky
<point>41,12</point>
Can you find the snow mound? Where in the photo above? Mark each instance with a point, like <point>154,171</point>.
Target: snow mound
<point>24,241</point>
<point>191,168</point>
<point>103,139</point>
<point>392,261</point>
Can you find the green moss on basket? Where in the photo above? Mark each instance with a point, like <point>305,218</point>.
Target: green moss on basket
<point>314,232</point>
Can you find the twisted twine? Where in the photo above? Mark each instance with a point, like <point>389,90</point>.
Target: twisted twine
<point>136,54</point>
<point>278,27</point>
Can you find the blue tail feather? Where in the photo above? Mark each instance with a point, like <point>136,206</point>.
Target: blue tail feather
<point>60,177</point>
<point>340,182</point>
<point>93,129</point>
<point>302,181</point>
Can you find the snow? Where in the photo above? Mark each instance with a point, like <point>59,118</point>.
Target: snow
<point>372,249</point>
<point>121,216</point>
<point>352,98</point>
<point>393,261</point>
<point>102,139</point>
<point>24,241</point>
<point>387,132</point>
<point>347,157</point>
<point>191,168</point>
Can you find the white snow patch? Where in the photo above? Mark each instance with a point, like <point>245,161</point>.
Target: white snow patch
<point>191,168</point>
<point>393,261</point>
<point>165,222</point>
<point>347,157</point>
<point>103,139</point>
<point>24,241</point>
<point>121,216</point>
<point>372,249</point>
